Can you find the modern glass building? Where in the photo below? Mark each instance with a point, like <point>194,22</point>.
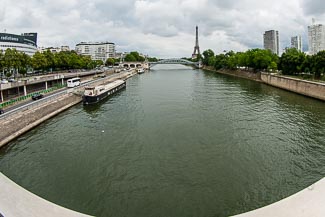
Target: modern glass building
<point>26,42</point>
<point>271,41</point>
<point>296,42</point>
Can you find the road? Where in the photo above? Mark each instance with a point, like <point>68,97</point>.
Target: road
<point>16,107</point>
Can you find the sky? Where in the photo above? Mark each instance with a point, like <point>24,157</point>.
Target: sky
<point>161,28</point>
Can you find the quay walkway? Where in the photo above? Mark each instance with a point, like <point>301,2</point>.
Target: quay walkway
<point>309,202</point>
<point>15,201</point>
<point>18,202</point>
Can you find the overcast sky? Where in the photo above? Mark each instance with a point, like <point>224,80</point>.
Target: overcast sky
<point>162,28</point>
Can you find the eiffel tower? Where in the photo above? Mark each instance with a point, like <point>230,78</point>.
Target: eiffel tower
<point>196,52</point>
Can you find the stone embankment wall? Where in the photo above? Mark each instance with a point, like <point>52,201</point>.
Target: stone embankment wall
<point>238,73</point>
<point>303,87</point>
<point>307,88</point>
<point>15,125</point>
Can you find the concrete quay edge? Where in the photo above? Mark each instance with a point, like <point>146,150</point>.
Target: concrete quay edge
<point>36,123</point>
<point>307,92</point>
<point>306,203</point>
<point>18,202</point>
<point>48,116</point>
<point>15,201</point>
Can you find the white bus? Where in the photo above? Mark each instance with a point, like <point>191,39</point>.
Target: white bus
<point>73,82</point>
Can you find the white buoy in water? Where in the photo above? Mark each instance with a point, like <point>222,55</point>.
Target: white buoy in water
<point>103,131</point>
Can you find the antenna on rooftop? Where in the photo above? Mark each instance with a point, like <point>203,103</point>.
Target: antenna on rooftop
<point>313,21</point>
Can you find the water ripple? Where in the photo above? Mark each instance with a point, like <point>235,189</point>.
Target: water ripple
<point>176,142</point>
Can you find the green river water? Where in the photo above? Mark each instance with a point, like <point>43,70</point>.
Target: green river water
<point>176,142</point>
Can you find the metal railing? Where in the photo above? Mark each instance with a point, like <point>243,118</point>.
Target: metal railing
<point>33,104</point>
<point>22,98</point>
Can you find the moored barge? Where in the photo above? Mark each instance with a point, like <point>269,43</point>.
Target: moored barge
<point>94,94</point>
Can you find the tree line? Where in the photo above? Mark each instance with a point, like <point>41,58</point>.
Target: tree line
<point>13,62</point>
<point>133,56</point>
<point>291,62</point>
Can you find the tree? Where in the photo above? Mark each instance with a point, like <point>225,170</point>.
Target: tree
<point>130,58</point>
<point>262,59</point>
<point>86,62</point>
<point>232,62</point>
<point>92,64</point>
<point>74,61</point>
<point>39,61</point>
<point>318,63</point>
<point>110,62</point>
<point>11,61</point>
<point>99,63</point>
<point>25,61</point>
<point>307,65</point>
<point>197,59</point>
<point>292,61</point>
<point>136,55</point>
<point>64,60</point>
<point>1,61</point>
<point>273,66</point>
<point>255,59</point>
<point>152,59</point>
<point>221,61</point>
<point>207,54</point>
<point>212,61</point>
<point>50,59</point>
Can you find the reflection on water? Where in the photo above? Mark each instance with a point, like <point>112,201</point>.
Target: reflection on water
<point>176,142</point>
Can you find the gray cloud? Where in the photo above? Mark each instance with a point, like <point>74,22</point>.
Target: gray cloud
<point>314,7</point>
<point>161,27</point>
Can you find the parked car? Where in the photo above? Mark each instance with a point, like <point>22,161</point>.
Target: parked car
<point>37,96</point>
<point>4,81</point>
<point>1,111</point>
<point>11,80</point>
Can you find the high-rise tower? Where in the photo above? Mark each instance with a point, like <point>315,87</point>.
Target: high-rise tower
<point>316,38</point>
<point>271,41</point>
<point>196,52</point>
<point>296,42</point>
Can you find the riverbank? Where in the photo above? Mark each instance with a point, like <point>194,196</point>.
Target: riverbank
<point>21,122</point>
<point>307,88</point>
<point>15,125</point>
<point>16,201</point>
<point>237,73</point>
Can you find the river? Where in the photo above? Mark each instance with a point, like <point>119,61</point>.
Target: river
<point>176,142</point>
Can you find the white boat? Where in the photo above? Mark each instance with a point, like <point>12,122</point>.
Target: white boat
<point>140,71</point>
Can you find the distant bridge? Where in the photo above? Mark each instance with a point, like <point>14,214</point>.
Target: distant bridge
<point>148,65</point>
<point>177,61</point>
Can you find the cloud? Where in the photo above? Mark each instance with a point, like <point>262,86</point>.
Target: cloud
<point>314,7</point>
<point>163,28</point>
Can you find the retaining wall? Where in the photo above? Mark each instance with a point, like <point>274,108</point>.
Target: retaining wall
<point>303,87</point>
<point>19,123</point>
<point>18,202</point>
<point>237,73</point>
<point>306,203</point>
<point>307,88</point>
